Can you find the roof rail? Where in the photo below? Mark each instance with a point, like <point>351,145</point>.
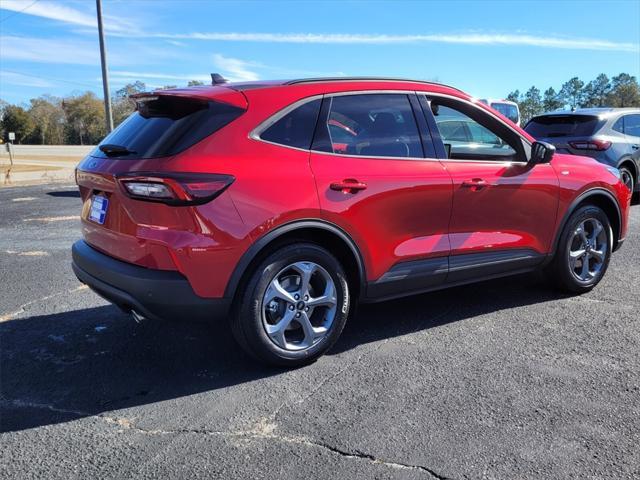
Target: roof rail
<point>369,79</point>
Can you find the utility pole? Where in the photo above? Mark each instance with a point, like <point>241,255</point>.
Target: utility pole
<point>105,75</point>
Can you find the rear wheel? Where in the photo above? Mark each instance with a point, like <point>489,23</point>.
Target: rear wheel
<point>294,306</point>
<point>627,177</point>
<point>584,251</point>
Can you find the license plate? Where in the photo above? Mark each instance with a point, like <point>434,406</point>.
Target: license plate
<point>98,210</point>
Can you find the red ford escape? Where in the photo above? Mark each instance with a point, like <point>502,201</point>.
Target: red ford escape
<point>279,205</point>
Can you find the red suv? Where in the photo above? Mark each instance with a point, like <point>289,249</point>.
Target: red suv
<point>279,205</point>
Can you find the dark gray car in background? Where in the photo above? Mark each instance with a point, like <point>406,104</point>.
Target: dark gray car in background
<point>610,135</point>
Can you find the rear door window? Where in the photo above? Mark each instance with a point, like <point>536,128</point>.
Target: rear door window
<point>551,126</point>
<point>632,125</point>
<point>295,128</point>
<point>370,125</point>
<point>165,126</point>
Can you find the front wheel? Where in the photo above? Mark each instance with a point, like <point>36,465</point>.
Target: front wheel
<point>294,306</point>
<point>583,252</point>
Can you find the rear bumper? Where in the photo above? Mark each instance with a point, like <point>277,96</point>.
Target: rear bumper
<point>152,293</point>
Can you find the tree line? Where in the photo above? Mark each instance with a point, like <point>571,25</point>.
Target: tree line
<point>77,119</point>
<point>620,91</point>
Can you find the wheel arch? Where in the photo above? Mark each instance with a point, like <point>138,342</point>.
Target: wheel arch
<point>598,197</point>
<point>320,232</point>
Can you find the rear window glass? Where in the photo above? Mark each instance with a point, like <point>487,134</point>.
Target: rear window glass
<point>562,126</point>
<point>166,126</point>
<point>296,128</point>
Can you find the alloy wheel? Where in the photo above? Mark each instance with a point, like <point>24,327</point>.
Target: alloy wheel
<point>627,178</point>
<point>588,250</point>
<point>299,306</point>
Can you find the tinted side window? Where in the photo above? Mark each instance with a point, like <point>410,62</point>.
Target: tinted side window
<point>466,138</point>
<point>372,125</point>
<point>296,128</point>
<point>619,125</point>
<point>632,125</point>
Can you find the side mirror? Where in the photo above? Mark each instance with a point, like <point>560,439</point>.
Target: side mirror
<point>541,152</point>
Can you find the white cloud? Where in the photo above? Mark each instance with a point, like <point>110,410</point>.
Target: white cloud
<point>234,69</point>
<point>517,39</point>
<point>63,13</point>
<point>175,43</point>
<point>45,50</point>
<point>158,76</point>
<point>67,50</point>
<point>15,78</point>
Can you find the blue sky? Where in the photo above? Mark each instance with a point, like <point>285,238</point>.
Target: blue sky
<point>487,48</point>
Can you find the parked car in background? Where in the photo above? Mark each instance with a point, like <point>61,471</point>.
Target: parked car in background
<point>506,107</point>
<point>280,205</point>
<point>610,135</point>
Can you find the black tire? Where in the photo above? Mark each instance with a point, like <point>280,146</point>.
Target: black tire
<point>247,322</point>
<point>560,272</point>
<point>627,177</point>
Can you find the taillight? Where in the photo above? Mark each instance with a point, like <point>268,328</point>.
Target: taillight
<point>174,188</point>
<point>591,145</point>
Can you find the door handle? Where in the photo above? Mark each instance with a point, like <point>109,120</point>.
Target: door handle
<point>475,184</point>
<point>349,185</point>
<point>635,147</point>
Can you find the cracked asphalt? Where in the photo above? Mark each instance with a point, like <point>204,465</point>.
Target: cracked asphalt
<point>505,379</point>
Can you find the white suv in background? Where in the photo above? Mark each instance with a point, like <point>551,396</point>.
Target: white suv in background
<point>506,107</point>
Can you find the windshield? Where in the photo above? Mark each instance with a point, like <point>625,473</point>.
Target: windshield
<point>508,110</point>
<point>550,126</point>
<point>165,126</point>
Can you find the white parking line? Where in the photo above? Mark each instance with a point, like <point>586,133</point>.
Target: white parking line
<point>51,219</point>
<point>33,253</point>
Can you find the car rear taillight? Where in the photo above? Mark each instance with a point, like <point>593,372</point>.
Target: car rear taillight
<point>174,188</point>
<point>591,145</point>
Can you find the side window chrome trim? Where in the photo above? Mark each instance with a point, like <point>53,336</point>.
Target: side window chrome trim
<point>255,133</point>
<point>265,124</point>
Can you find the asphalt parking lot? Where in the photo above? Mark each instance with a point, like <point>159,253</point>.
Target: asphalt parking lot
<point>504,379</point>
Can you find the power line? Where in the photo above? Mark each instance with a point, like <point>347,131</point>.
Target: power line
<point>19,11</point>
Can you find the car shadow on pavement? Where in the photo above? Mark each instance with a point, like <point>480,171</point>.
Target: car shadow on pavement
<point>60,367</point>
<point>378,321</point>
<point>65,193</point>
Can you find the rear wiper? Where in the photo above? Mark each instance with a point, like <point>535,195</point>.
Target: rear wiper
<point>112,150</point>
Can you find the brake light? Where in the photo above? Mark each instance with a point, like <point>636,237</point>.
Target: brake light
<point>591,145</point>
<point>178,189</point>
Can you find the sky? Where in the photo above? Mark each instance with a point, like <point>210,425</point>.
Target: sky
<point>487,48</point>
